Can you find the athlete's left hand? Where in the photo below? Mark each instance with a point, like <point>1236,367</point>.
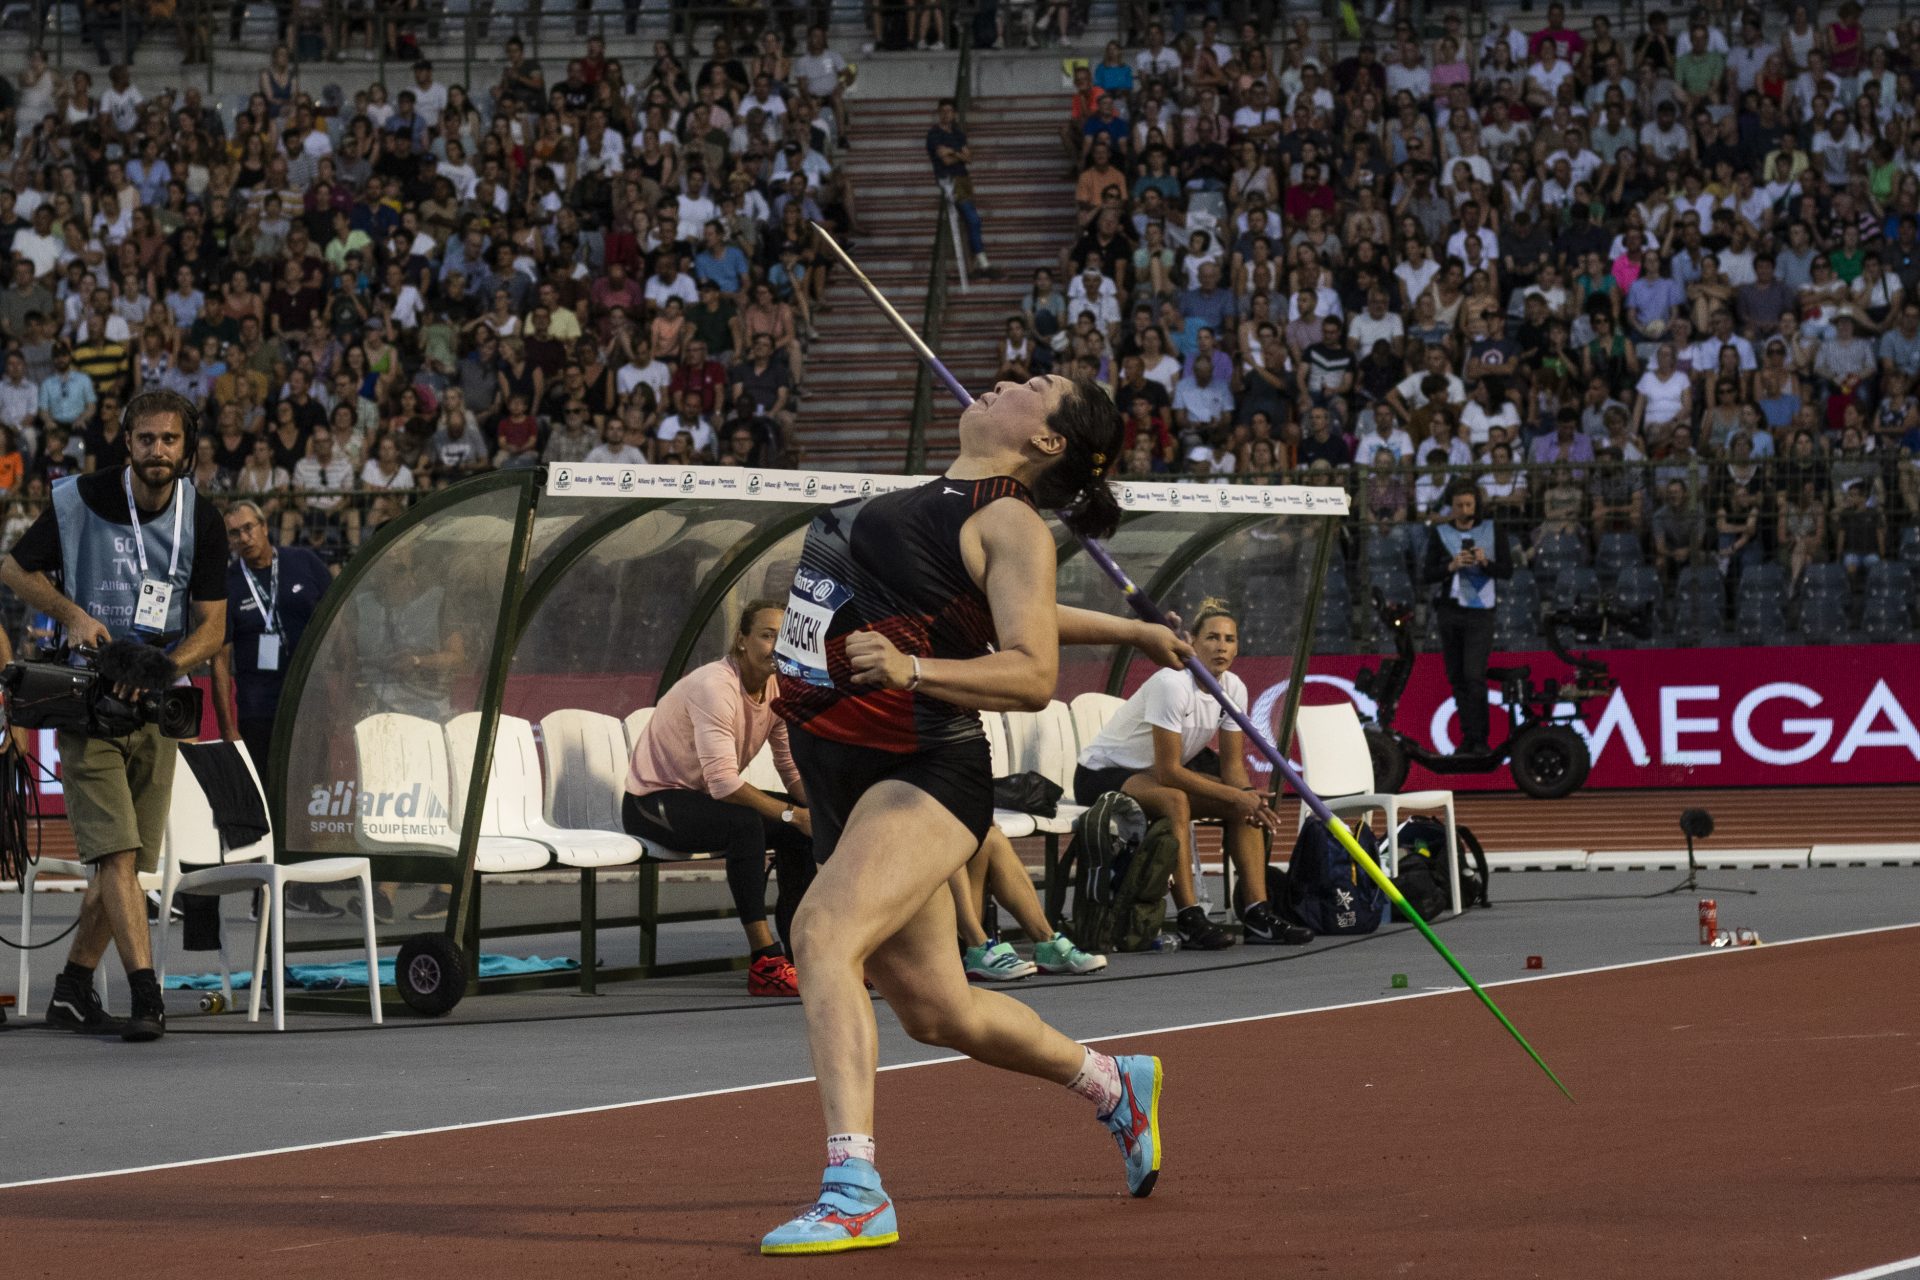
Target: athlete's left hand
<point>876,662</point>
<point>1165,647</point>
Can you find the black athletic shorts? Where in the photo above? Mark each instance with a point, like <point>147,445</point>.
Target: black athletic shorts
<point>1090,784</point>
<point>959,776</point>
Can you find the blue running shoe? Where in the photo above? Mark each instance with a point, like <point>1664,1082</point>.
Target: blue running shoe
<point>1135,1120</point>
<point>853,1212</point>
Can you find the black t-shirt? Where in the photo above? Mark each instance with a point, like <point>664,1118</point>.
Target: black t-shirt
<point>38,550</point>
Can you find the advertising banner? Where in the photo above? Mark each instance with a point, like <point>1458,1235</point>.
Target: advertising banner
<point>1747,717</point>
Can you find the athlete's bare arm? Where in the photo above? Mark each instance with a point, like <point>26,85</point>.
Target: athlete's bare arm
<point>1090,626</point>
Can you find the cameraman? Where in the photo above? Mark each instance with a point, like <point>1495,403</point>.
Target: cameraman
<point>1465,557</point>
<point>138,558</point>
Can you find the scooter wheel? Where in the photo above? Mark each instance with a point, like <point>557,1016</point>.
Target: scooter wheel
<point>1390,763</point>
<point>1550,761</point>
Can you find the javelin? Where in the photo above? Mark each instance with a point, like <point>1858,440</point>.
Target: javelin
<point>1143,605</point>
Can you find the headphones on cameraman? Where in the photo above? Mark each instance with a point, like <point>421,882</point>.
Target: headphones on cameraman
<point>146,404</point>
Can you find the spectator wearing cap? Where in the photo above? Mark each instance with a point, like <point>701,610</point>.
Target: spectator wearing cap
<point>715,320</point>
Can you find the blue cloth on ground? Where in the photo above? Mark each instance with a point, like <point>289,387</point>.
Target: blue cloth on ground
<point>353,973</point>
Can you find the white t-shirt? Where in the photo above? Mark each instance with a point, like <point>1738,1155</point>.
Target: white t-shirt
<point>1664,398</point>
<point>1169,700</point>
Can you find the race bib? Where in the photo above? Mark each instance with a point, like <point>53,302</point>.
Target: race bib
<point>801,653</point>
<point>150,614</point>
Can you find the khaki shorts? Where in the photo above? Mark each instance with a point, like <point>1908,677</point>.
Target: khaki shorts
<point>118,791</point>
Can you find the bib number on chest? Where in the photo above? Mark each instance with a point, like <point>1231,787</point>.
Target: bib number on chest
<point>801,653</point>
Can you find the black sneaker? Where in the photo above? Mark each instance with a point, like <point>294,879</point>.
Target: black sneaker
<point>382,907</point>
<point>434,908</point>
<point>148,1020</point>
<point>1197,933</point>
<point>1263,925</point>
<point>76,1007</point>
<point>304,899</point>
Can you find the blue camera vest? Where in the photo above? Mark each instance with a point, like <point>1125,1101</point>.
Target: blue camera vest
<point>101,561</point>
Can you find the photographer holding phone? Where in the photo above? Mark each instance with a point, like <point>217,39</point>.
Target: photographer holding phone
<point>138,558</point>
<point>1465,557</point>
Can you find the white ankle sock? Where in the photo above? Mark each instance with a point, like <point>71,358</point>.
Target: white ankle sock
<point>1098,1081</point>
<point>842,1147</point>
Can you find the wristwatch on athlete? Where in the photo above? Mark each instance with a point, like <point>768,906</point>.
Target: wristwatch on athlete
<point>786,814</point>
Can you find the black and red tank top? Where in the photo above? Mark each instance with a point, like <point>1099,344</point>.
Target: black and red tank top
<point>890,564</point>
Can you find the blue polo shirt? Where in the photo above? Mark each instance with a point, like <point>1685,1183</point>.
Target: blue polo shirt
<point>303,579</point>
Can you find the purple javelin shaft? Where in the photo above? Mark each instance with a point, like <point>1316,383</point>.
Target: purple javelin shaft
<point>1143,605</point>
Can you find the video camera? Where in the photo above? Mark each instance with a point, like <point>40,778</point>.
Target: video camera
<point>81,699</point>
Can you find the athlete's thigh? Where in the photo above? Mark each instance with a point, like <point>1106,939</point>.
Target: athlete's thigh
<point>899,848</point>
<point>1158,799</point>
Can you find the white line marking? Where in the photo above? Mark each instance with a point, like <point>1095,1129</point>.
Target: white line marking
<point>1891,1269</point>
<point>1702,953</point>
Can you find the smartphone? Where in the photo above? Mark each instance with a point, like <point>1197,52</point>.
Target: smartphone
<point>1466,544</point>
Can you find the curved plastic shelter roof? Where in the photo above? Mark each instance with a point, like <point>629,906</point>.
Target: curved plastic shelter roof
<point>597,586</point>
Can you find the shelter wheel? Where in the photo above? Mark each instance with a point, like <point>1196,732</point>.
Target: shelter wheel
<point>1550,761</point>
<point>431,973</point>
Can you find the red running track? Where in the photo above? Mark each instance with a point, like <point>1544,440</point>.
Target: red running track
<point>1746,1113</point>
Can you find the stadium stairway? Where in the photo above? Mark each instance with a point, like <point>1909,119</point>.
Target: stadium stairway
<point>860,375</point>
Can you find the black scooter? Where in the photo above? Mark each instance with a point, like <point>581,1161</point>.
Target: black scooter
<point>1547,758</point>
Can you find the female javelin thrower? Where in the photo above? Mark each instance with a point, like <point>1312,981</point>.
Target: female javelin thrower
<point>910,612</point>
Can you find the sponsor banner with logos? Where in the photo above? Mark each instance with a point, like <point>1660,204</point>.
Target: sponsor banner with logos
<point>611,480</point>
<point>1749,717</point>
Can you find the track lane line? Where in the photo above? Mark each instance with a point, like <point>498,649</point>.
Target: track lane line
<point>1890,1269</point>
<point>390,1135</point>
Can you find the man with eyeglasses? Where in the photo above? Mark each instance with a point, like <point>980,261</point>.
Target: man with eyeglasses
<point>272,594</point>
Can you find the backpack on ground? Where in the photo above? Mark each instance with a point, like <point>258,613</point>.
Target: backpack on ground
<point>1120,865</point>
<point>1424,875</point>
<point>1326,891</point>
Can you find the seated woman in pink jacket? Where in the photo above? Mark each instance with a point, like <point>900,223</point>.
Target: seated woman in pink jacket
<point>685,791</point>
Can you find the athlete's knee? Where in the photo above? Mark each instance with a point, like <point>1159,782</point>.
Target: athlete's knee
<point>943,1025</point>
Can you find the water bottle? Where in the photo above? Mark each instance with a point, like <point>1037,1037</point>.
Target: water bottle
<point>1166,942</point>
<point>213,1002</point>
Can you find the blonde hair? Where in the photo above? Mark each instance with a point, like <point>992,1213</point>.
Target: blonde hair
<point>1210,608</point>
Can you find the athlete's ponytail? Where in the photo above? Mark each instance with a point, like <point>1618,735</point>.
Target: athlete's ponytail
<point>1076,485</point>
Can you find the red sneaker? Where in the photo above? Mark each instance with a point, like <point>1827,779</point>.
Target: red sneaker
<point>772,976</point>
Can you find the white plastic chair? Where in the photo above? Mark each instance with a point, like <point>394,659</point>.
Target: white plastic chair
<point>402,757</point>
<point>193,841</point>
<point>60,867</point>
<point>1090,712</point>
<point>1043,742</point>
<point>586,770</point>
<point>1012,823</point>
<point>515,805</point>
<point>1339,769</point>
<point>635,722</point>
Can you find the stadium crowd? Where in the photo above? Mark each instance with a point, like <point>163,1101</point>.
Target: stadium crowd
<point>381,293</point>
<point>1655,290</point>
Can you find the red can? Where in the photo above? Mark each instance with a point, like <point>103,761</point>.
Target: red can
<point>1709,921</point>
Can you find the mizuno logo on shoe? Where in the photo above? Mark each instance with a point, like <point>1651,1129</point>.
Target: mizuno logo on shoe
<point>854,1224</point>
<point>1138,1121</point>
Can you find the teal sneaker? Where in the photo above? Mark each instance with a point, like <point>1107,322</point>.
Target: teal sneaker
<point>1058,955</point>
<point>996,962</point>
<point>853,1212</point>
<point>1135,1120</point>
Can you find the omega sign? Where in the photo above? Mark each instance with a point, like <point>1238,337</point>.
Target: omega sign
<point>1687,717</point>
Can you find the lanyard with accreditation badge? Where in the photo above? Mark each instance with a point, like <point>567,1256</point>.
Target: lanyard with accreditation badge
<point>150,614</point>
<point>269,657</point>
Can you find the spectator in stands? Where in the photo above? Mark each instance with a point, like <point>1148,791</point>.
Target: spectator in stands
<point>1677,529</point>
<point>948,150</point>
<point>1156,749</point>
<point>686,790</point>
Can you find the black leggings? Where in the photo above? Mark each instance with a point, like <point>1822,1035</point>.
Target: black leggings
<point>693,822</point>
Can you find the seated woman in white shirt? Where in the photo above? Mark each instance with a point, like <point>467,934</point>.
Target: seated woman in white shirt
<point>1155,750</point>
